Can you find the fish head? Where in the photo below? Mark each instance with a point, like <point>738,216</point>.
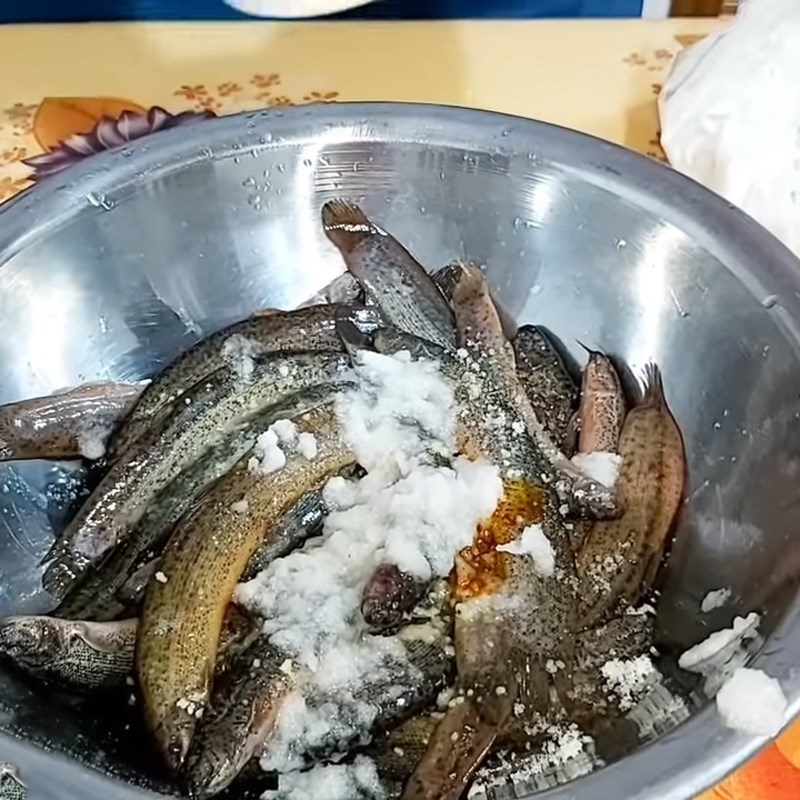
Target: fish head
<point>32,640</point>
<point>174,737</point>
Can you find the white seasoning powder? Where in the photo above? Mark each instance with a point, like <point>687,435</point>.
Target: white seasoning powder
<point>285,430</point>
<point>601,466</point>
<point>307,446</point>
<point>356,781</point>
<point>533,542</point>
<point>742,628</point>
<point>240,506</point>
<point>752,702</point>
<point>239,351</point>
<point>267,454</point>
<point>629,678</point>
<point>715,599</point>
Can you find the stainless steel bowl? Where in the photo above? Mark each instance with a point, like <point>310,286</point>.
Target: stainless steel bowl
<point>112,268</point>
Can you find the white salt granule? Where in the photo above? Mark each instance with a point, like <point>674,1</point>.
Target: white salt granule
<point>629,678</point>
<point>239,351</point>
<point>356,781</point>
<point>715,599</point>
<point>533,542</point>
<point>285,430</point>
<point>752,702</point>
<point>92,441</point>
<point>393,390</point>
<point>307,446</point>
<point>742,628</point>
<point>240,506</point>
<point>161,577</point>
<point>602,467</point>
<point>267,454</point>
<point>408,511</point>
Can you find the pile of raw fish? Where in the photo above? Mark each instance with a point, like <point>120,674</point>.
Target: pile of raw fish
<point>368,548</point>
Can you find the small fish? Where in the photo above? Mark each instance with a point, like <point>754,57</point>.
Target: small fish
<point>201,565</point>
<point>74,654</point>
<point>620,558</point>
<point>209,411</point>
<point>68,425</point>
<point>602,410</point>
<point>240,725</point>
<point>481,334</point>
<point>388,597</point>
<point>98,595</point>
<point>389,274</point>
<point>547,383</point>
<point>306,329</point>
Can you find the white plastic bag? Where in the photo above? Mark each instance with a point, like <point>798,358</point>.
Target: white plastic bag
<point>730,114</point>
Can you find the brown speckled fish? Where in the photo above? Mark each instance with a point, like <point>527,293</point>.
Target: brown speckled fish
<point>619,560</point>
<point>391,277</point>
<point>602,409</point>
<point>69,424</point>
<point>202,563</point>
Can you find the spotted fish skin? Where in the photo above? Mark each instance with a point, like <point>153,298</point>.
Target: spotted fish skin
<point>59,426</point>
<point>75,654</point>
<point>546,381</point>
<point>389,274</point>
<point>617,563</point>
<point>602,410</point>
<point>201,565</point>
<point>269,331</point>
<point>208,413</point>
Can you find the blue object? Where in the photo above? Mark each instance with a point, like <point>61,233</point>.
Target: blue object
<point>102,10</point>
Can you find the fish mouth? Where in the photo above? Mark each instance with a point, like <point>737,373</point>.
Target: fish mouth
<point>174,738</point>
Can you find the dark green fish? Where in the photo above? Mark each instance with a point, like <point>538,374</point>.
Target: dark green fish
<point>306,329</point>
<point>71,424</point>
<point>208,413</point>
<point>389,274</point>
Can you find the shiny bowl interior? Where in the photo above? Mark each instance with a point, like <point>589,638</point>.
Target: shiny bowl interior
<point>112,268</point>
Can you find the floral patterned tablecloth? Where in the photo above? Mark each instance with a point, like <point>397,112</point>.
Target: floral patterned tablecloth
<point>72,90</point>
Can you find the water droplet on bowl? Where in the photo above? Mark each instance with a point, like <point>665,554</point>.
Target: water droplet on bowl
<point>770,301</point>
<point>249,182</point>
<point>99,200</point>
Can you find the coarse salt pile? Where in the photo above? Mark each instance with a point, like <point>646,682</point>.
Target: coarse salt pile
<point>533,542</point>
<point>752,702</point>
<point>240,352</point>
<point>269,451</point>
<point>628,679</point>
<point>601,466</point>
<point>715,599</point>
<point>408,510</point>
<point>356,781</point>
<point>719,643</point>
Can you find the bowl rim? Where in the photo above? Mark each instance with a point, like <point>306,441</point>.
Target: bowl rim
<point>704,750</point>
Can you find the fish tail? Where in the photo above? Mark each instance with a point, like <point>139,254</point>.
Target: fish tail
<point>653,387</point>
<point>345,224</point>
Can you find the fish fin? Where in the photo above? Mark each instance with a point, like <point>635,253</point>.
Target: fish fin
<point>653,387</point>
<point>345,224</point>
<point>588,349</point>
<point>459,744</point>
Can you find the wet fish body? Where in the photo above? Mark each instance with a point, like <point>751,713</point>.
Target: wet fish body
<point>602,409</point>
<point>240,724</point>
<point>620,558</point>
<point>108,590</point>
<point>201,565</point>
<point>269,331</point>
<point>547,383</point>
<point>66,425</point>
<point>389,274</point>
<point>75,654</point>
<point>208,413</point>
